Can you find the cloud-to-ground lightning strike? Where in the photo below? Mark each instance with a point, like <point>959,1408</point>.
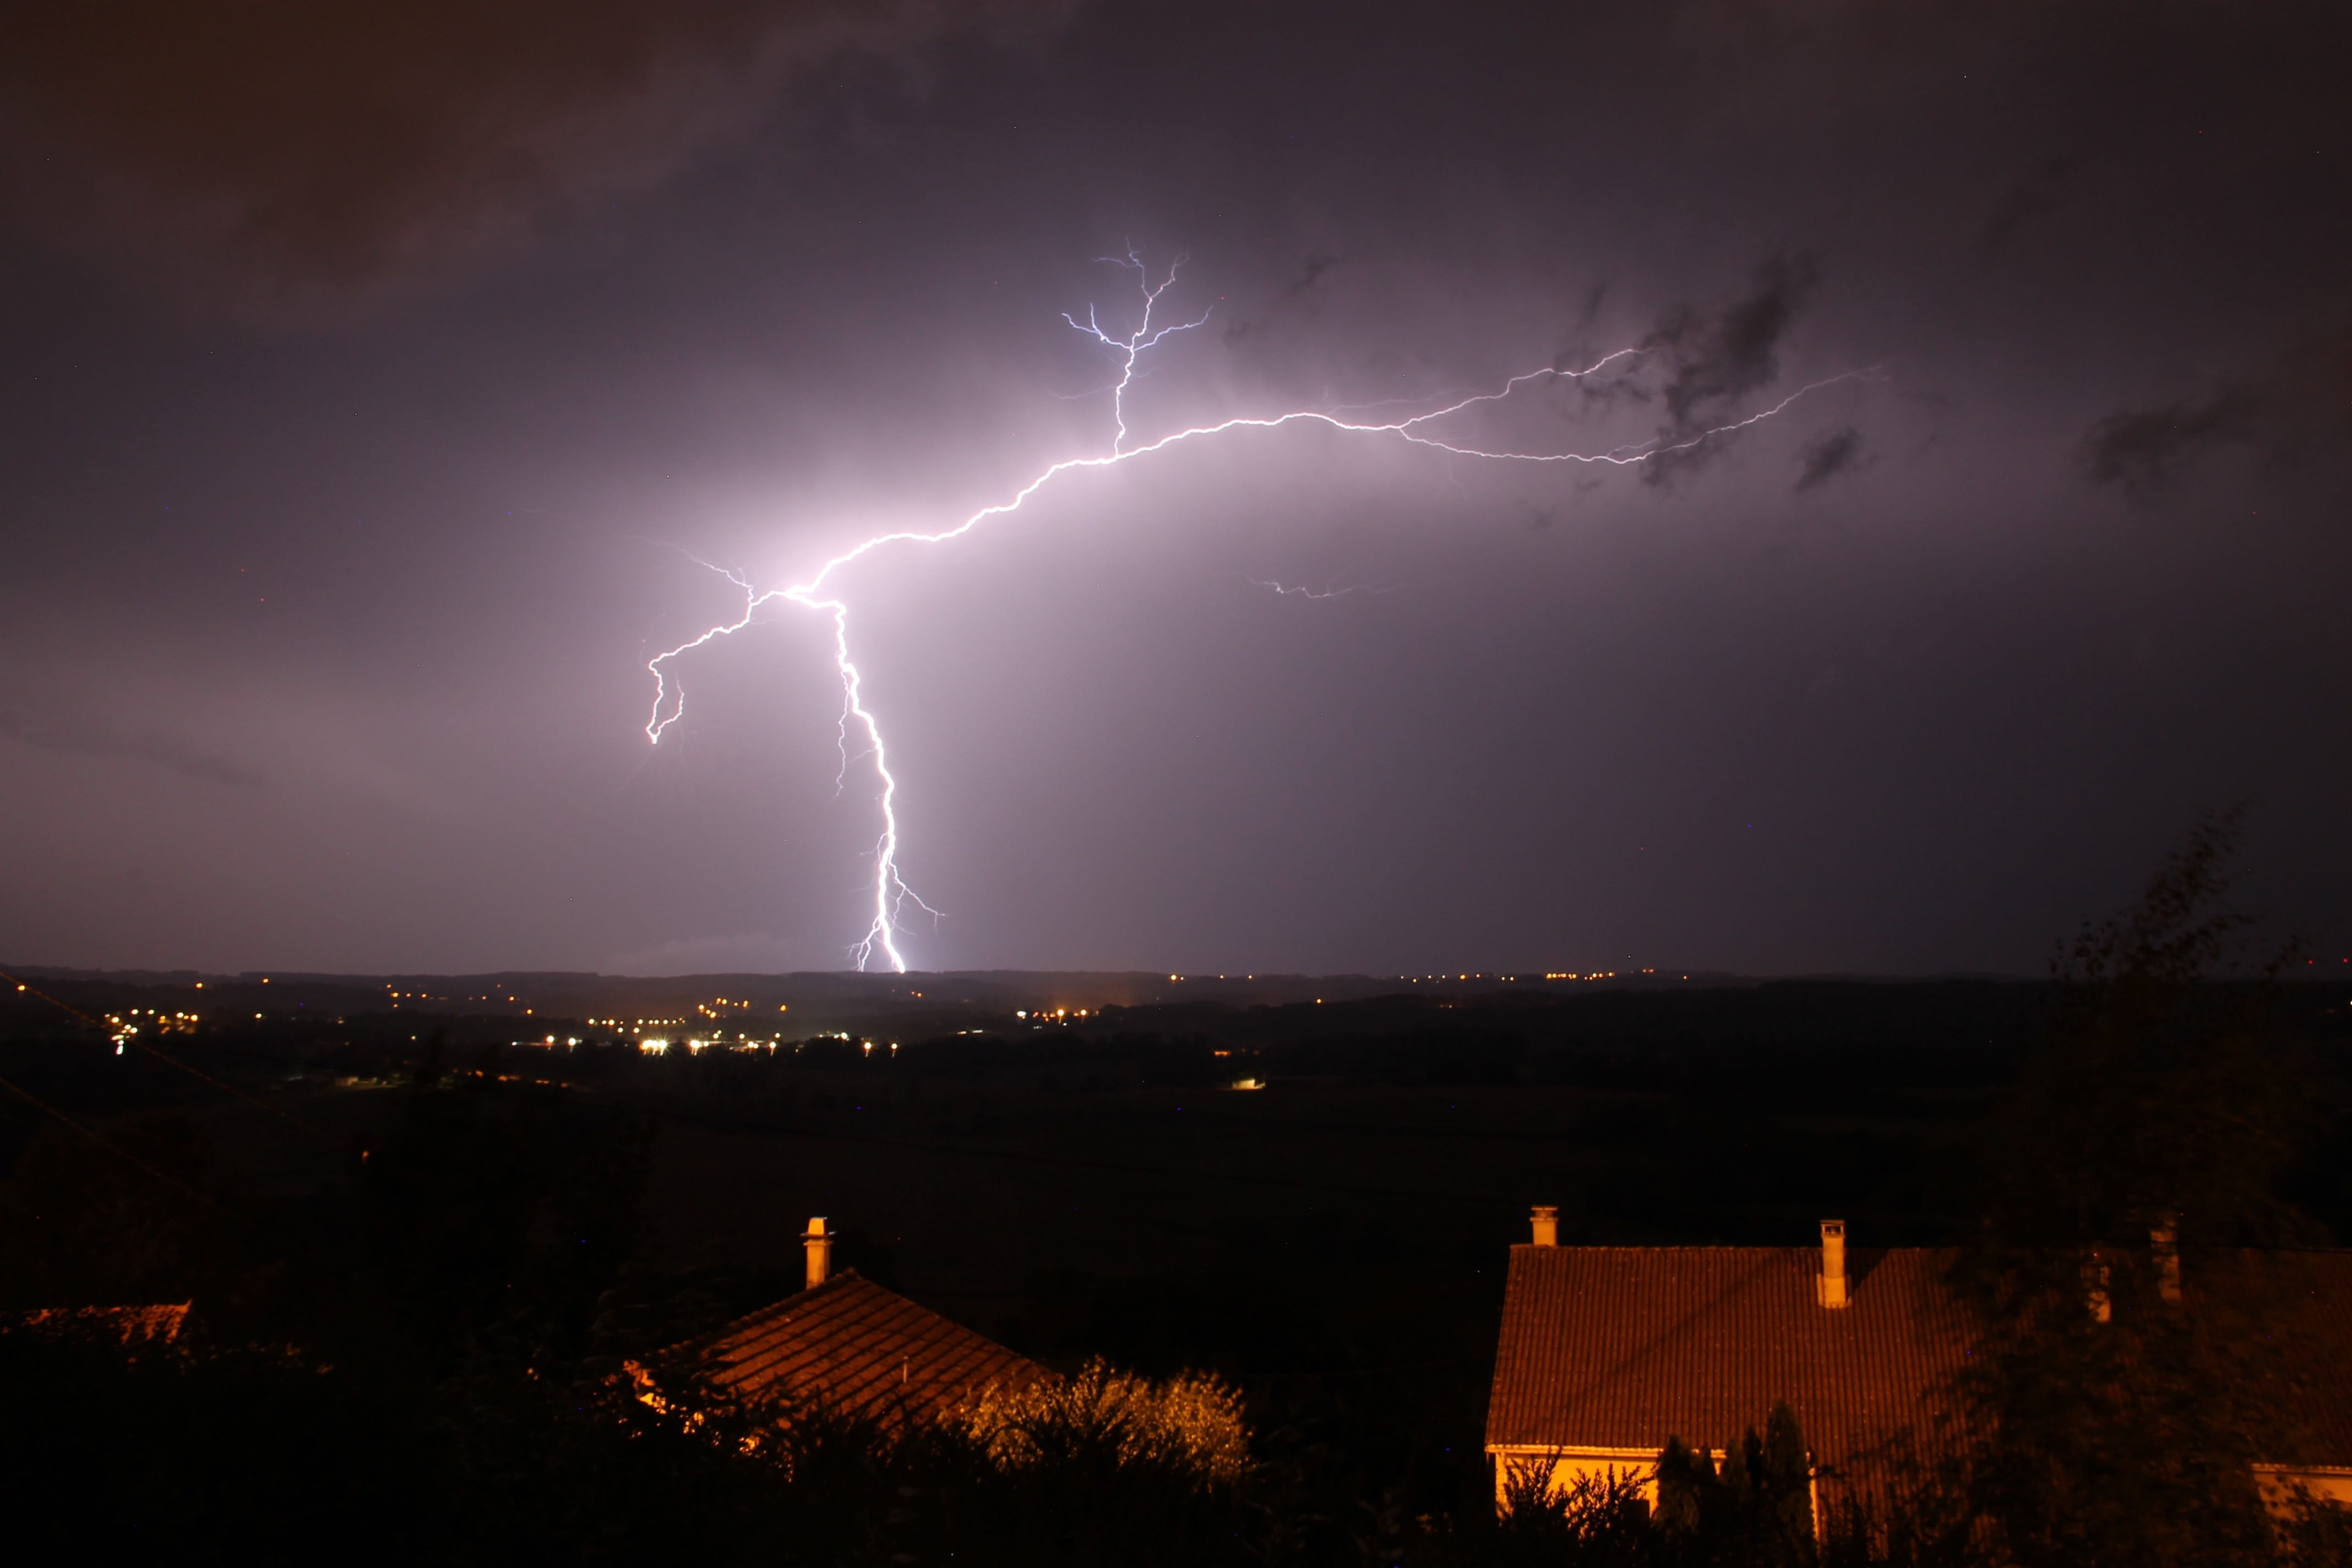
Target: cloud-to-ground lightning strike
<point>891,892</point>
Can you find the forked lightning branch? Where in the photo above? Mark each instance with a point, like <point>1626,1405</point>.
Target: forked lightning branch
<point>891,893</point>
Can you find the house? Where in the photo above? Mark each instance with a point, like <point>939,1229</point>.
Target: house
<point>1605,1352</point>
<point>851,1345</point>
<point>134,1328</point>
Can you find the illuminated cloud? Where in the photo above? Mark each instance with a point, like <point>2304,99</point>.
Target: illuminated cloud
<point>762,281</point>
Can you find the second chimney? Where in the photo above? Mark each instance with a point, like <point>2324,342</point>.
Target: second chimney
<point>1546,1220</point>
<point>1831,1283</point>
<point>2163,1243</point>
<point>818,1243</point>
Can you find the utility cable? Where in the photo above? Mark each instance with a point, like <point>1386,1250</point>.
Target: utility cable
<point>168,1059</point>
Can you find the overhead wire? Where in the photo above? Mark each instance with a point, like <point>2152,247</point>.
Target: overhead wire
<point>123,1154</point>
<point>114,1149</point>
<point>167,1058</point>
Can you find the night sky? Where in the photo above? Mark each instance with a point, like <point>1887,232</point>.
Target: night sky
<point>377,390</point>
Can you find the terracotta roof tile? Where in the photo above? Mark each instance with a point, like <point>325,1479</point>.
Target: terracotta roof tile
<point>1619,1348</point>
<point>1622,1347</point>
<point>157,1324</point>
<point>861,1348</point>
<point>2301,1303</point>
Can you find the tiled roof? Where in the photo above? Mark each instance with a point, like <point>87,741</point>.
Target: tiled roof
<point>2300,1303</point>
<point>858,1348</point>
<point>1619,1347</point>
<point>133,1326</point>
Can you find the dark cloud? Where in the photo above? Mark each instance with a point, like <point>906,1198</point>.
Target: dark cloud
<point>1827,455</point>
<point>1293,299</point>
<point>2304,403</point>
<point>1717,360</point>
<point>2147,448</point>
<point>280,148</point>
<point>1594,298</point>
<point>1712,361</point>
<point>2032,197</point>
<point>1316,266</point>
<point>165,751</point>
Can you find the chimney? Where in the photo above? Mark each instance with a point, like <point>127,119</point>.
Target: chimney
<point>2094,1290</point>
<point>2164,1246</point>
<point>1547,1225</point>
<point>1831,1284</point>
<point>819,1246</point>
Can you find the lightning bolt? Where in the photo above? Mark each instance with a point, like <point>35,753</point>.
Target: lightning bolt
<point>1294,591</point>
<point>891,894</point>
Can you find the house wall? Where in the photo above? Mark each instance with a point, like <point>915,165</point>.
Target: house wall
<point>1570,1465</point>
<point>2324,1483</point>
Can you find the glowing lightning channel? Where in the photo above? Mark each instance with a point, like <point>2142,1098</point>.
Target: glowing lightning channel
<point>1294,591</point>
<point>891,893</point>
<point>1130,347</point>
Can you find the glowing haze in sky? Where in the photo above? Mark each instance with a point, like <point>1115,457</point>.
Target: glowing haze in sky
<point>380,380</point>
<point>1425,427</point>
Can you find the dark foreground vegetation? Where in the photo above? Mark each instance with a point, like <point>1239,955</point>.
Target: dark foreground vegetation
<point>422,1256</point>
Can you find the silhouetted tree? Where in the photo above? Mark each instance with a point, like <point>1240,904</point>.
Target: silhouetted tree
<point>1596,1521</point>
<point>1687,1482</point>
<point>2107,1424</point>
<point>1785,1519</point>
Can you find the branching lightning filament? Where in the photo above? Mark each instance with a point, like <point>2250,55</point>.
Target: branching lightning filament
<point>890,892</point>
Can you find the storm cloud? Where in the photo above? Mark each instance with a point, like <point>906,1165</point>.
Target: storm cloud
<point>1710,361</point>
<point>1828,454</point>
<point>287,152</point>
<point>1716,361</point>
<point>2301,407</point>
<point>2147,448</point>
<point>378,377</point>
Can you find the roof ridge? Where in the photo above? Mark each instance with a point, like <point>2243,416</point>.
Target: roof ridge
<point>1720,1246</point>
<point>694,1344</point>
<point>861,1345</point>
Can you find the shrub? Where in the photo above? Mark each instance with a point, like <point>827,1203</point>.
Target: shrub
<point>1191,1424</point>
